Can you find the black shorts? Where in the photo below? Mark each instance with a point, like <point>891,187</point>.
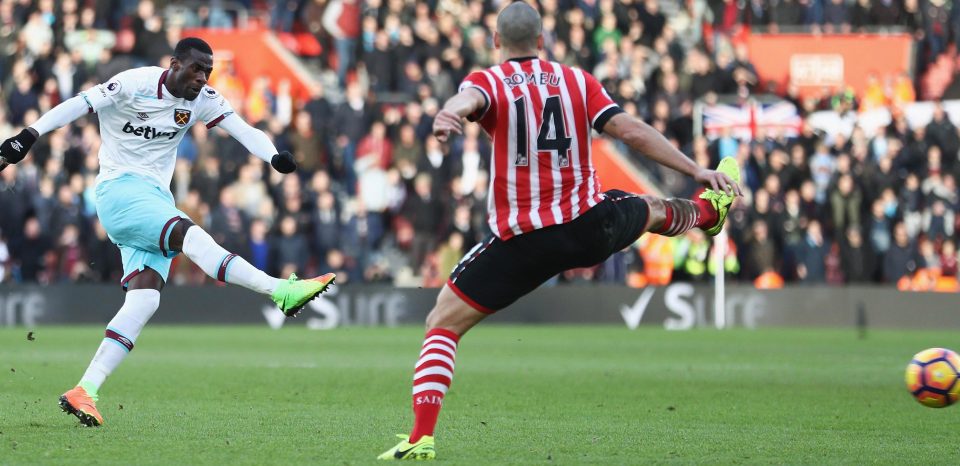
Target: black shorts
<point>496,273</point>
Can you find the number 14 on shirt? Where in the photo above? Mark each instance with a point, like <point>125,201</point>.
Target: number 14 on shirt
<point>551,136</point>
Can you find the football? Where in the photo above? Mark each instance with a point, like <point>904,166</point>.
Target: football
<point>932,377</point>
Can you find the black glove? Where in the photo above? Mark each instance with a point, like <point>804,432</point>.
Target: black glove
<point>15,149</point>
<point>283,162</point>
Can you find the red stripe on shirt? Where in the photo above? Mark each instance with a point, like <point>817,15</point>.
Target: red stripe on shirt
<point>579,108</point>
<point>544,159</point>
<point>499,202</point>
<point>522,174</point>
<point>216,121</point>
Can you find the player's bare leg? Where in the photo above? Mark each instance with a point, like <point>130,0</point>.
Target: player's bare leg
<point>449,320</point>
<point>290,295</point>
<point>141,301</point>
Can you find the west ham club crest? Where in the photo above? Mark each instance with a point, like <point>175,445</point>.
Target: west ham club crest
<point>181,117</point>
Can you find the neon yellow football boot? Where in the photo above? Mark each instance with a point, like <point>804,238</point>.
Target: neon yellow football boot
<point>294,293</point>
<point>719,199</point>
<point>421,450</point>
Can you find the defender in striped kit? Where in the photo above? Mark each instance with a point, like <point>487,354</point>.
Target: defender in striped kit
<point>547,212</point>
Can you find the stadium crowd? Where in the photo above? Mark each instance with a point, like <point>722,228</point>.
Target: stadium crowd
<point>379,199</point>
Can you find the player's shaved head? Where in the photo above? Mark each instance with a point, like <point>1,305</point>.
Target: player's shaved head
<point>519,27</point>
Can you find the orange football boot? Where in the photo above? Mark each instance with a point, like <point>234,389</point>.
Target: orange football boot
<point>81,405</point>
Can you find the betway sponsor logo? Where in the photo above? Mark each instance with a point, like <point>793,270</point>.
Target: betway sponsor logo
<point>148,132</point>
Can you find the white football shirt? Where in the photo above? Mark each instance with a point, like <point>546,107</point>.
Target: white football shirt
<point>142,123</point>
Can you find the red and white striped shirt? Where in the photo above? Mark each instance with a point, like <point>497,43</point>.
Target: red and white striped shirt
<point>539,114</point>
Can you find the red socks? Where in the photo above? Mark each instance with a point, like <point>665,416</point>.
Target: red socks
<point>432,377</point>
<point>684,214</point>
<point>708,213</point>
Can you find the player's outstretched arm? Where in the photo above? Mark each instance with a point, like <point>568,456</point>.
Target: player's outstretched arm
<point>450,118</point>
<point>14,149</point>
<point>642,138</point>
<point>258,144</point>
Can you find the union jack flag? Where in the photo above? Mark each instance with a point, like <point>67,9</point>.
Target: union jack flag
<point>751,120</point>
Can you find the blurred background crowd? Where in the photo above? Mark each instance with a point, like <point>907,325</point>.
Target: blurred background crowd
<point>378,199</point>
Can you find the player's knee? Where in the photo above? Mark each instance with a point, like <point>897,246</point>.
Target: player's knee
<point>146,301</point>
<point>440,317</point>
<point>456,321</point>
<point>453,314</point>
<point>434,319</point>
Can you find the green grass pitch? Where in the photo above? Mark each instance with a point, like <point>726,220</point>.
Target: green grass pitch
<point>521,395</point>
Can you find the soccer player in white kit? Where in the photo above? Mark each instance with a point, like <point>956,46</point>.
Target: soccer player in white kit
<point>144,114</point>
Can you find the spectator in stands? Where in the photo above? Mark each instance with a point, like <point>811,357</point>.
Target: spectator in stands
<point>822,166</point>
<point>704,77</point>
<point>408,149</point>
<point>942,133</point>
<point>948,259</point>
<point>937,26</point>
<point>342,21</point>
<point>441,85</point>
<point>306,143</point>
<point>22,99</point>
<point>836,17</point>
<point>102,255</point>
<point>760,251</point>
<point>380,62</point>
<point>14,203</point>
<point>248,191</point>
<point>885,12</point>
<point>66,211</point>
<point>811,267</point>
<point>787,13</point>
<point>293,207</point>
<point>37,35</point>
<point>326,224</point>
<point>424,211</point>
<point>70,261</point>
<point>375,149</point>
<point>283,14</point>
<point>87,41</point>
<point>259,250</point>
<point>228,224</point>
<point>938,222</point>
<point>901,259</point>
<point>846,203</point>
<point>912,17</point>
<point>911,205</point>
<point>290,248</point>
<point>857,259</point>
<point>30,252</point>
<point>150,41</point>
